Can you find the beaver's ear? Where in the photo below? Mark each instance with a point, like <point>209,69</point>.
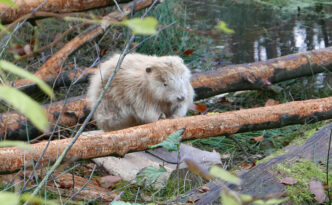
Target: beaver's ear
<point>148,69</point>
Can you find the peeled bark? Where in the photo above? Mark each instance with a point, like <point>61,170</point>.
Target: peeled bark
<point>140,137</point>
<point>65,6</point>
<point>259,75</point>
<point>53,66</point>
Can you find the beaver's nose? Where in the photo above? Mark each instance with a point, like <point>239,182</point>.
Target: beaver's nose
<point>181,98</point>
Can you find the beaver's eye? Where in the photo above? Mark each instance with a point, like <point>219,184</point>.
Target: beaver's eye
<point>165,84</point>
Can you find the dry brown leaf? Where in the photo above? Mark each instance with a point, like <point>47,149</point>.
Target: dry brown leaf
<point>203,189</point>
<point>199,108</point>
<point>271,102</point>
<point>193,199</point>
<point>317,189</point>
<point>288,180</point>
<point>258,139</point>
<point>108,181</point>
<point>197,169</point>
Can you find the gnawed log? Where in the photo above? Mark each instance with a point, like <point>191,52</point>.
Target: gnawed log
<point>140,137</point>
<point>259,75</point>
<point>53,66</point>
<point>10,14</point>
<point>262,180</point>
<point>14,126</point>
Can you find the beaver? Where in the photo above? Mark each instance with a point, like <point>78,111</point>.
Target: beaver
<point>145,89</point>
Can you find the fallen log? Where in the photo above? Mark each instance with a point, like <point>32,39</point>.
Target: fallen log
<point>9,14</point>
<point>14,126</point>
<point>262,180</point>
<point>53,66</point>
<point>258,75</point>
<point>261,75</point>
<point>140,137</point>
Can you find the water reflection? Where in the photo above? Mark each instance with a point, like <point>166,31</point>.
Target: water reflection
<point>260,33</point>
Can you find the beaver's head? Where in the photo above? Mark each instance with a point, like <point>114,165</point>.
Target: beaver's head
<point>169,79</point>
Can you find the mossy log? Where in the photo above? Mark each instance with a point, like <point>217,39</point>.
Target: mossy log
<point>10,14</point>
<point>264,179</point>
<point>140,137</point>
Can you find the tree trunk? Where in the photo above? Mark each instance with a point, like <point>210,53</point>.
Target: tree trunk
<point>140,137</point>
<point>65,6</point>
<point>262,180</point>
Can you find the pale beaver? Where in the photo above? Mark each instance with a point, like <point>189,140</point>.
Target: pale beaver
<point>145,89</point>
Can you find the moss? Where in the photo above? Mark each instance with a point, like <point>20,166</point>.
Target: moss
<point>271,156</point>
<point>310,131</point>
<point>304,172</point>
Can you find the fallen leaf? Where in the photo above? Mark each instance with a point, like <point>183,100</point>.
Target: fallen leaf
<point>28,49</point>
<point>194,167</point>
<point>188,52</point>
<point>193,199</point>
<point>199,108</point>
<point>288,180</point>
<point>317,189</point>
<point>258,139</point>
<point>225,156</point>
<point>102,52</point>
<point>204,189</point>
<point>108,181</point>
<point>271,102</point>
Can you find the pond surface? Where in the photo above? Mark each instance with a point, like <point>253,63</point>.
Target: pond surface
<point>260,32</point>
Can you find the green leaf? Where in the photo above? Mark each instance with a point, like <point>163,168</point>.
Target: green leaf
<point>272,201</point>
<point>229,199</point>
<point>26,105</point>
<point>223,27</point>
<point>224,175</point>
<point>9,3</point>
<point>36,200</point>
<point>9,143</point>
<point>9,67</point>
<point>245,197</point>
<point>146,26</point>
<point>148,175</point>
<point>8,198</point>
<point>172,142</point>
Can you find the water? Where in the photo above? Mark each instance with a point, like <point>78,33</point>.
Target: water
<point>260,32</point>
